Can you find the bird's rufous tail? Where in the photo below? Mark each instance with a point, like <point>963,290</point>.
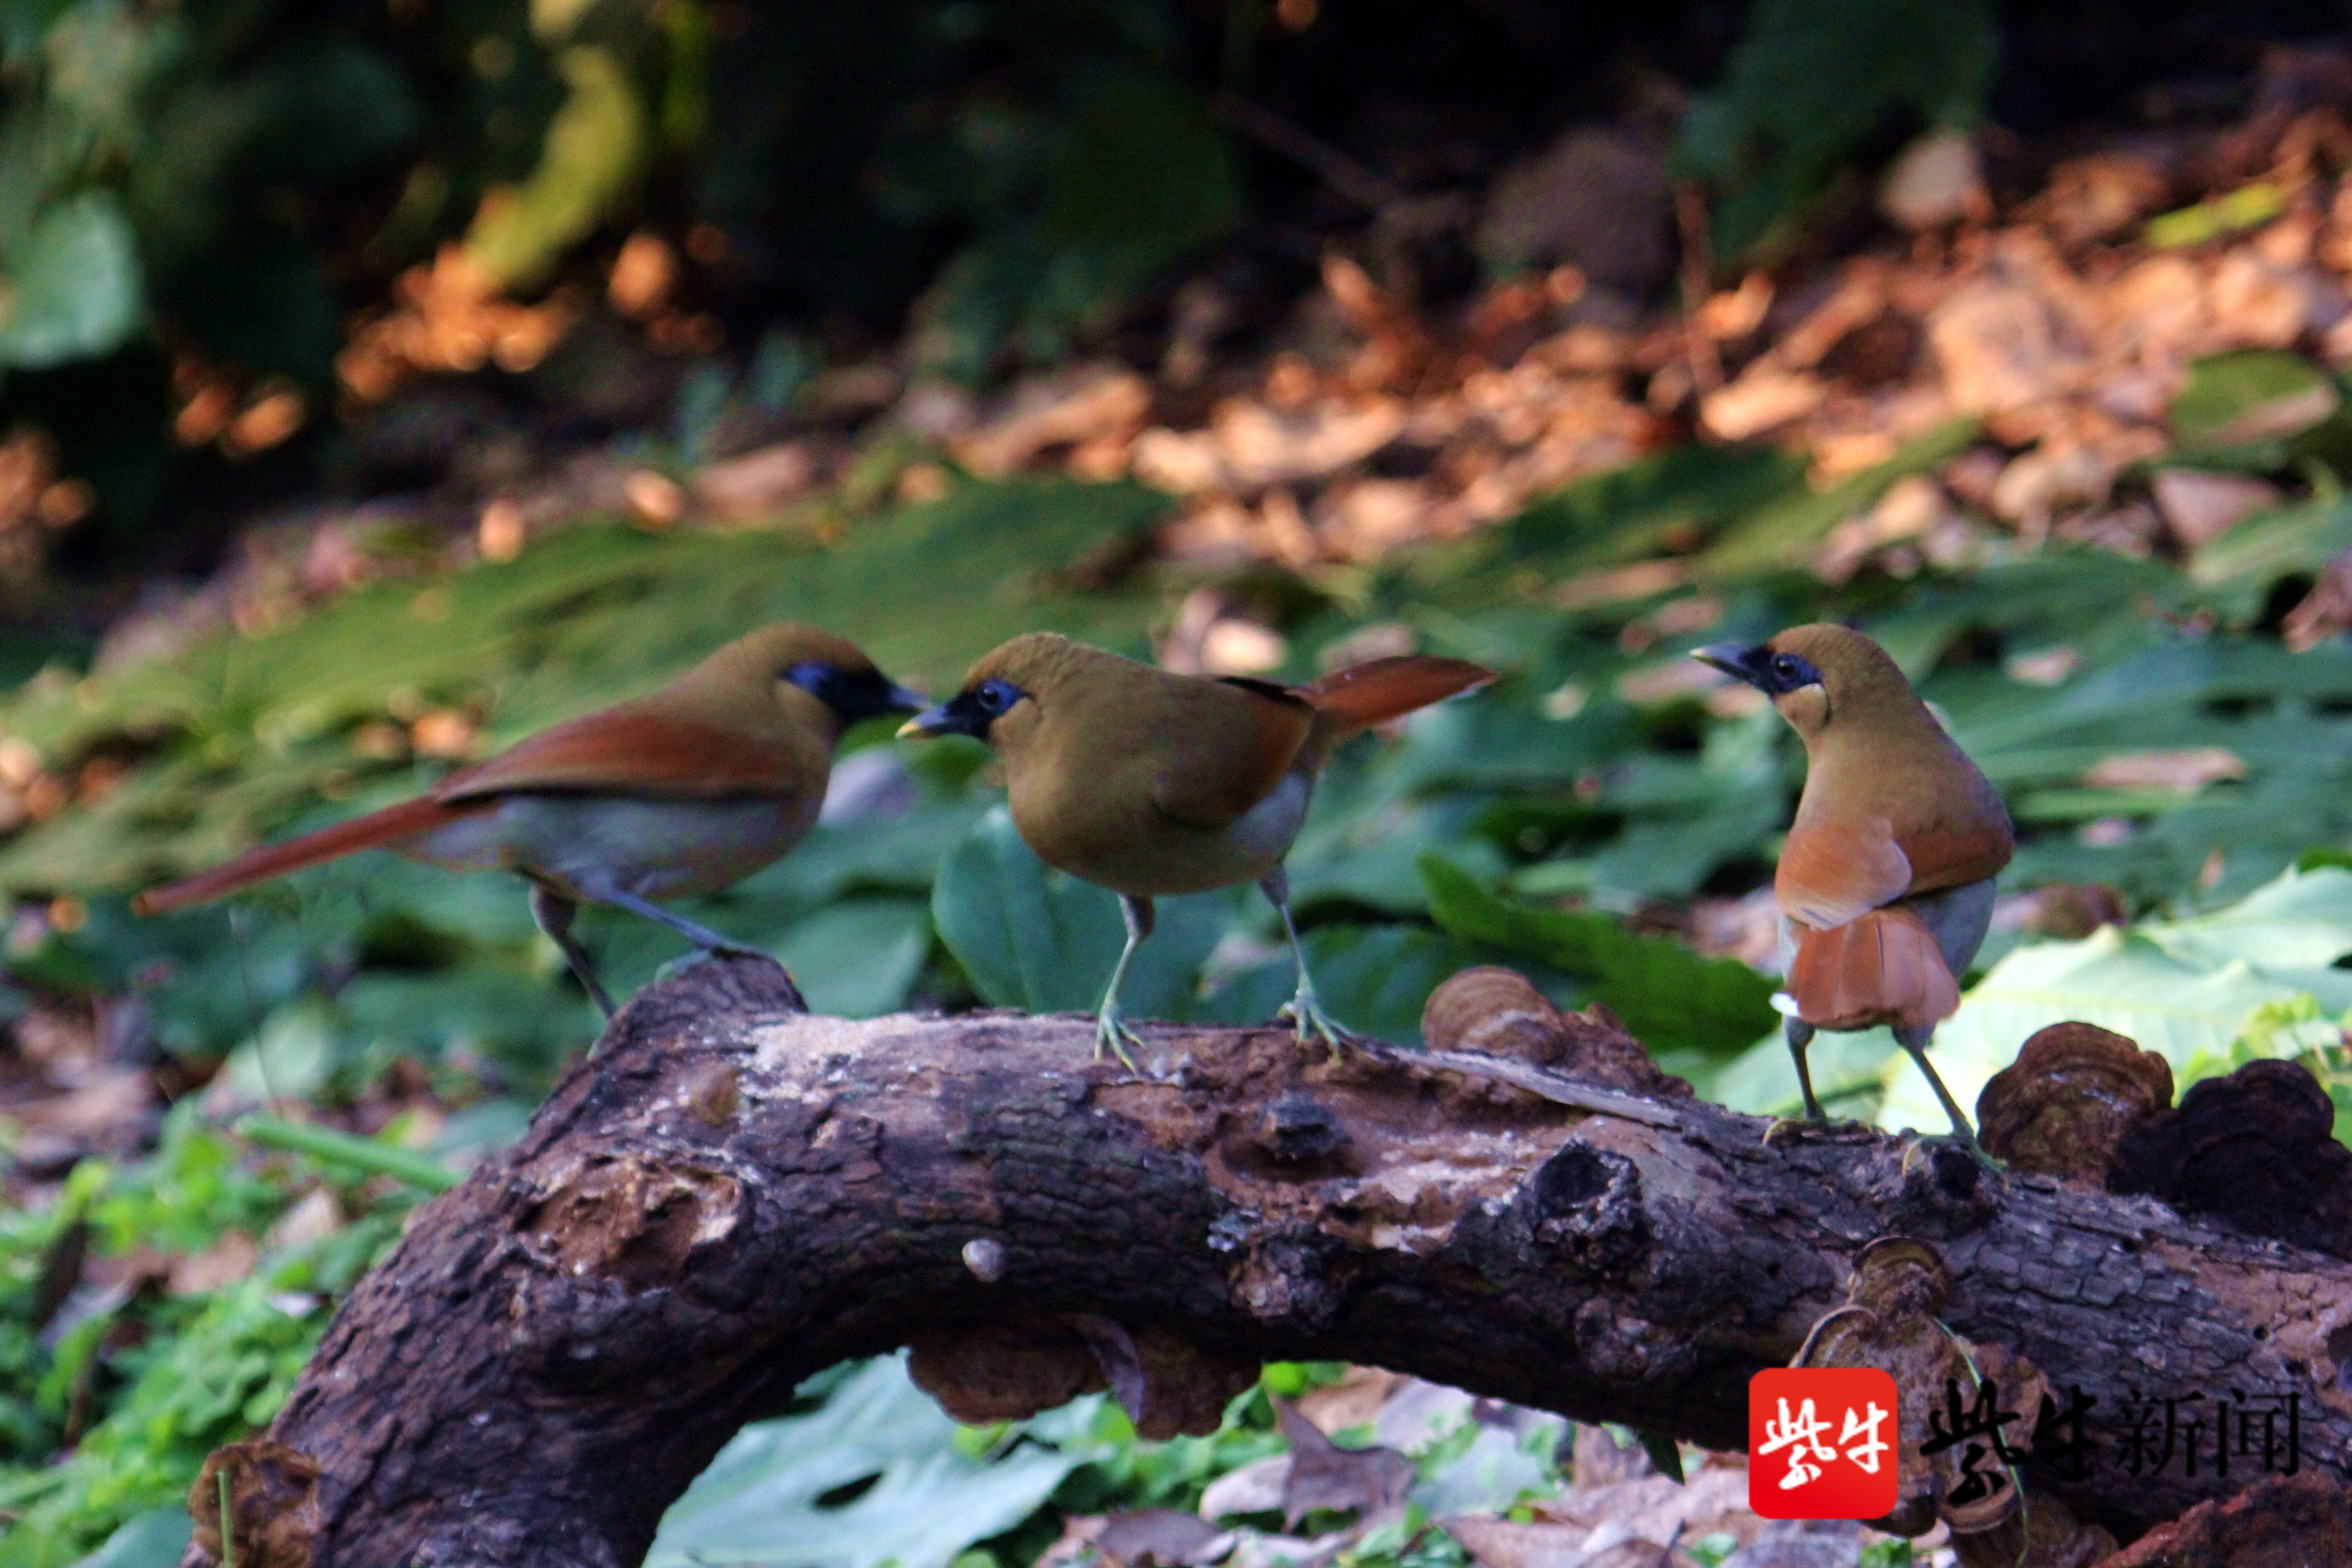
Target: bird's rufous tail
<point>1881,967</point>
<point>375,830</point>
<point>1379,689</point>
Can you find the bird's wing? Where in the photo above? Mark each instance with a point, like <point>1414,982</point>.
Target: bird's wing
<point>1881,967</point>
<point>633,750</point>
<point>1949,856</point>
<point>1217,762</point>
<point>1832,872</point>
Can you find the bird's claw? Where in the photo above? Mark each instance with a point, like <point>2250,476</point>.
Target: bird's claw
<point>1916,1149</point>
<point>1313,1023</point>
<point>1112,1034</point>
<point>1786,1126</point>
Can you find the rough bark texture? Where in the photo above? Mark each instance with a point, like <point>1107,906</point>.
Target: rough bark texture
<point>730,1195</point>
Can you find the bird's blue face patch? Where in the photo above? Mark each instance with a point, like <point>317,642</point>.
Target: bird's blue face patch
<point>969,712</point>
<point>1773,673</point>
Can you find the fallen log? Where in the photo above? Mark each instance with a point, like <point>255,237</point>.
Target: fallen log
<point>730,1194</point>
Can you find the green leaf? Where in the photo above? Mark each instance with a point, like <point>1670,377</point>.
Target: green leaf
<point>1650,503</point>
<point>858,959</point>
<point>2252,395</point>
<point>595,146</point>
<point>1374,979</point>
<point>2181,988</point>
<point>154,1540</point>
<point>1784,535</point>
<point>2247,206</point>
<point>1670,997</point>
<point>1812,82</point>
<point>73,287</point>
<point>1041,940</point>
<point>764,1500</point>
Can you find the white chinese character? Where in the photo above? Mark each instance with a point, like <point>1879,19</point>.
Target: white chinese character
<point>1802,1437</point>
<point>1865,1426</point>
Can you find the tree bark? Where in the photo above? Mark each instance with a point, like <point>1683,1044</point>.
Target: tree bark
<point>730,1195</point>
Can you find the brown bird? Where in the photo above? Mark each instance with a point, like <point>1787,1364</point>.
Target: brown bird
<point>1885,882</point>
<point>666,796</point>
<point>1152,785</point>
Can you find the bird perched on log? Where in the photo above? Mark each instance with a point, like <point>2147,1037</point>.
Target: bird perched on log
<point>1152,785</point>
<point>1886,881</point>
<point>666,796</point>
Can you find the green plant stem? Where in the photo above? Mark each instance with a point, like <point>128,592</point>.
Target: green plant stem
<point>358,1153</point>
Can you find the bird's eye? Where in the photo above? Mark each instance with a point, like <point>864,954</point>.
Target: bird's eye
<point>994,697</point>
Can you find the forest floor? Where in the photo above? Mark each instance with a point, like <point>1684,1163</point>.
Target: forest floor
<point>2065,427</point>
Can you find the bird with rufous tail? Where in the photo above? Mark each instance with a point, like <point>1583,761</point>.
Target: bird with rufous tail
<point>669,795</point>
<point>1153,784</point>
<point>1886,881</point>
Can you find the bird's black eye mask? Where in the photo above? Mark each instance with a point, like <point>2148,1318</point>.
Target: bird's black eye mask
<point>968,713</point>
<point>852,695</point>
<point>1773,673</point>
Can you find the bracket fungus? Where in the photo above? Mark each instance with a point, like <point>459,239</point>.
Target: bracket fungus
<point>2064,1105</point>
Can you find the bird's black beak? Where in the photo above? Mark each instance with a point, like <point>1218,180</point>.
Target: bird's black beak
<point>958,715</point>
<point>874,697</point>
<point>1745,664</point>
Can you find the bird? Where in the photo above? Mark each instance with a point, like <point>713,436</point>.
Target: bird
<point>1152,783</point>
<point>667,795</point>
<point>1885,886</point>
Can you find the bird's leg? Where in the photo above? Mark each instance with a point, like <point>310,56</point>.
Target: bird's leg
<point>1111,1027</point>
<point>1800,1036</point>
<point>553,914</point>
<point>1915,1041</point>
<point>1302,1008</point>
<point>702,936</point>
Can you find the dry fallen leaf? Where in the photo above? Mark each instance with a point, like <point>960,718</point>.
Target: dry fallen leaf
<point>1368,1483</point>
<point>2187,771</point>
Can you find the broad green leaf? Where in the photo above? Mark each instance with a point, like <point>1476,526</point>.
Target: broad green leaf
<point>73,288</point>
<point>1849,1073</point>
<point>1670,997</point>
<point>760,1501</point>
<point>595,146</point>
<point>1041,940</point>
<point>154,1540</point>
<point>2247,206</point>
<point>1784,535</point>
<point>1374,979</point>
<point>2181,988</point>
<point>1654,502</point>
<point>857,959</point>
<point>2252,395</point>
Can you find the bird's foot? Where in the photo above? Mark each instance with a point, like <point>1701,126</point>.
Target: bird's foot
<point>1793,1126</point>
<point>1313,1023</point>
<point>701,955</point>
<point>1916,1148</point>
<point>1113,1035</point>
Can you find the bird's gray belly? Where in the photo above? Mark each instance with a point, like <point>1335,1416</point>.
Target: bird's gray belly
<point>654,849</point>
<point>1958,919</point>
